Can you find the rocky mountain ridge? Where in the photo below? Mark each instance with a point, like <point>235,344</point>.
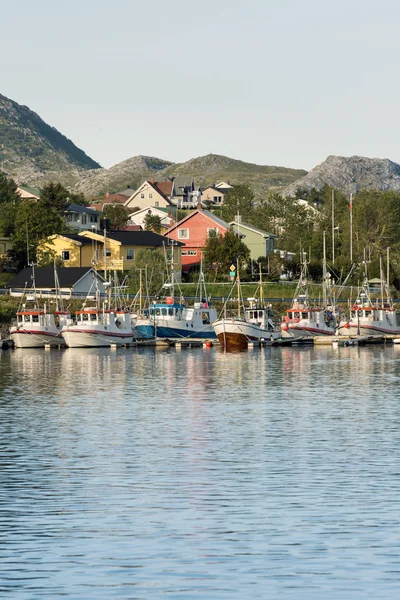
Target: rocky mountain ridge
<point>30,148</point>
<point>350,174</point>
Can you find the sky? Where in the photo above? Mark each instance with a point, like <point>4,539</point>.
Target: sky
<point>273,82</point>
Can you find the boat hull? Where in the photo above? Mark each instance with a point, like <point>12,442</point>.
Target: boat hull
<point>236,334</point>
<point>28,339</point>
<point>95,339</point>
<point>366,329</point>
<point>294,331</point>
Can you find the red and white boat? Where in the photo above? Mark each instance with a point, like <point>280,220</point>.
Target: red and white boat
<point>37,328</point>
<point>94,327</point>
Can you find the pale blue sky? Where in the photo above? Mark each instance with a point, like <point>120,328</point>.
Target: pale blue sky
<point>280,82</point>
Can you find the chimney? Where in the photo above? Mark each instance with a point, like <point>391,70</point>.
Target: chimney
<point>107,194</point>
<point>152,180</point>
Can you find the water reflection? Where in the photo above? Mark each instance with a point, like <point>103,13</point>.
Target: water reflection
<point>199,473</point>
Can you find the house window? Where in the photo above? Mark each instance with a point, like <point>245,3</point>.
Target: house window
<point>212,230</point>
<point>183,234</point>
<point>130,254</point>
<point>64,254</point>
<point>108,253</point>
<point>157,204</point>
<point>189,252</point>
<point>84,219</point>
<point>93,218</point>
<point>150,195</point>
<point>142,195</point>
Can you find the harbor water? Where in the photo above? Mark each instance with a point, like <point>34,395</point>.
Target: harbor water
<point>157,473</point>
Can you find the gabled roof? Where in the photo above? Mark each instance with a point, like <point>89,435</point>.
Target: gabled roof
<point>238,226</point>
<point>44,277</point>
<point>154,186</point>
<point>77,208</point>
<point>137,238</point>
<point>28,192</point>
<point>165,187</point>
<point>115,199</point>
<point>73,237</point>
<point>207,213</point>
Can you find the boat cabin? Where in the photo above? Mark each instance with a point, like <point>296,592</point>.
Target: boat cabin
<point>37,317</point>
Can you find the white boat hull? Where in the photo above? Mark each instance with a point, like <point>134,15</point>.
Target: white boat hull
<point>373,328</point>
<point>28,339</point>
<point>306,330</point>
<point>95,339</point>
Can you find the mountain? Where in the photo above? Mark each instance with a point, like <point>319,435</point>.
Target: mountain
<point>350,174</point>
<point>30,148</point>
<point>204,170</point>
<point>129,173</point>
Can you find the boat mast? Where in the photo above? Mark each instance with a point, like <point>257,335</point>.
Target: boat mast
<point>238,285</point>
<point>324,273</point>
<point>261,288</point>
<point>381,278</point>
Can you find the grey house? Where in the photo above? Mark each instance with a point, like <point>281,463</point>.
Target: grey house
<point>74,282</point>
<point>82,218</point>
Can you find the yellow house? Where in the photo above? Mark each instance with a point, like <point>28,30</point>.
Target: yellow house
<point>86,249</point>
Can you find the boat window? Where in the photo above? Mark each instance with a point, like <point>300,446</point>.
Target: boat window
<point>205,317</point>
<point>260,314</point>
<point>158,312</point>
<point>152,311</point>
<point>304,315</point>
<point>27,318</point>
<point>164,311</point>
<point>92,317</point>
<point>177,312</point>
<point>85,317</point>
<point>171,312</point>
<point>368,312</point>
<point>35,318</point>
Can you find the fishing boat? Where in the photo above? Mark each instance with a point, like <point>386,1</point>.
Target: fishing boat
<point>254,325</point>
<point>302,320</point>
<point>371,318</point>
<point>173,319</point>
<point>36,327</point>
<point>100,325</point>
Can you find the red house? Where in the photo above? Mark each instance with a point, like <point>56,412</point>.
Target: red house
<point>193,231</point>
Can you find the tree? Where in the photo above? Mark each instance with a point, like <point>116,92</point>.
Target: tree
<point>8,190</point>
<point>55,195</point>
<point>117,215</point>
<point>238,200</point>
<point>152,223</point>
<point>222,251</point>
<point>154,272</point>
<point>35,221</point>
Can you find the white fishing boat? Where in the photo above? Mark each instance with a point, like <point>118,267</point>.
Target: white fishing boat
<point>36,327</point>
<point>96,327</point>
<point>251,324</point>
<point>302,320</point>
<point>371,318</point>
<point>101,325</point>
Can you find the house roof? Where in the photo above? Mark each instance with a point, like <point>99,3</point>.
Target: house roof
<point>115,199</point>
<point>128,192</point>
<point>44,277</point>
<point>207,213</point>
<point>139,238</point>
<point>77,208</point>
<point>237,225</point>
<point>165,187</point>
<point>28,192</point>
<point>74,237</point>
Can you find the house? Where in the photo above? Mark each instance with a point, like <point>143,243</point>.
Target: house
<point>212,194</point>
<point>150,193</point>
<point>193,230</point>
<point>76,281</point>
<point>112,199</point>
<point>86,249</point>
<point>178,192</point>
<point>81,217</point>
<point>259,242</point>
<point>138,217</point>
<point>28,193</point>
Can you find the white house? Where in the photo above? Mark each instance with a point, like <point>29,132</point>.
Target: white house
<point>138,217</point>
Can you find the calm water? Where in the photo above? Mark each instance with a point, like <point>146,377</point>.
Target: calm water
<point>198,474</point>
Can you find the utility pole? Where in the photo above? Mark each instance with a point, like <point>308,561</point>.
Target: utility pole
<point>351,227</point>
